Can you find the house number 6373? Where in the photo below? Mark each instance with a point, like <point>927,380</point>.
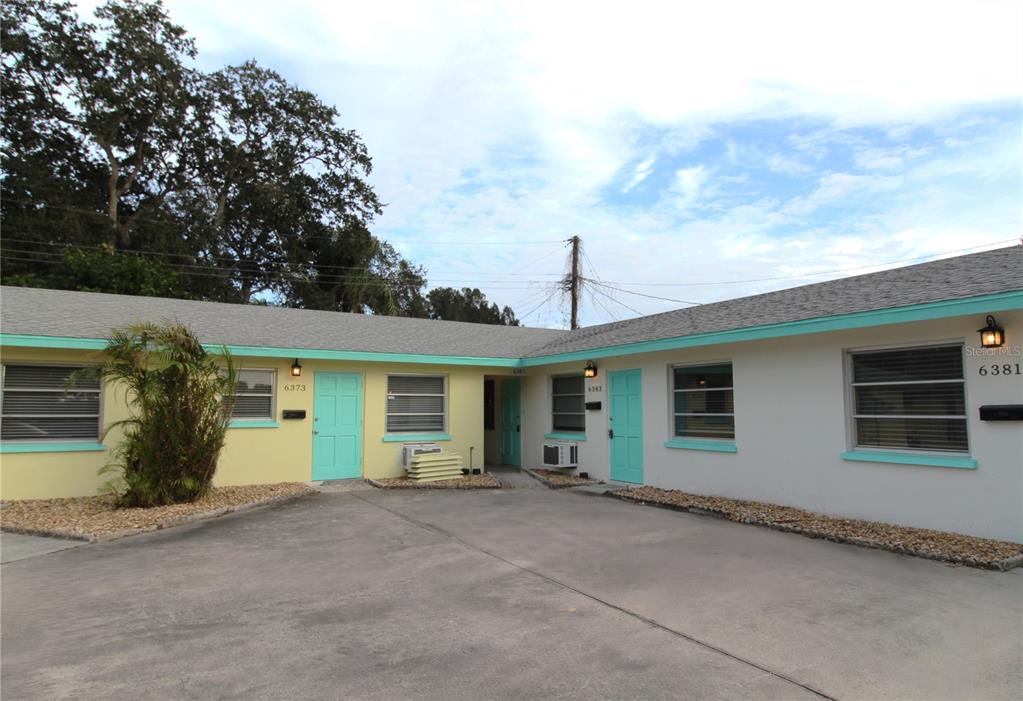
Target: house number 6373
<point>294,388</point>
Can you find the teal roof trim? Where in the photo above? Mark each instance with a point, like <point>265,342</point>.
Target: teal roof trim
<point>983,304</point>
<point>29,341</point>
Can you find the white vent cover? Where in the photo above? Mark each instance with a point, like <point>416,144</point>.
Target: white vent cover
<point>410,449</point>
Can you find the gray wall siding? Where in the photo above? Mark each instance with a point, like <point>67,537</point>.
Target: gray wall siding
<point>792,424</point>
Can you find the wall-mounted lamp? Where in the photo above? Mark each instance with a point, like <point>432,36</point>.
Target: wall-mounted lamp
<point>296,369</point>
<point>992,335</point>
<point>590,370</point>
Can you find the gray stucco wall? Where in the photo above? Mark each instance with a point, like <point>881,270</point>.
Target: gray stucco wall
<point>792,423</point>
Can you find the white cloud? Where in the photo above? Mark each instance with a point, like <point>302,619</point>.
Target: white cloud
<point>505,121</point>
<point>688,184</point>
<point>641,173</point>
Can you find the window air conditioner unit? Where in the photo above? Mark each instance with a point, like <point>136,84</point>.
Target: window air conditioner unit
<point>560,455</point>
<point>410,449</point>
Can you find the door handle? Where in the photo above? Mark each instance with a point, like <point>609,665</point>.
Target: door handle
<point>316,433</point>
<point>610,433</point>
<point>517,427</point>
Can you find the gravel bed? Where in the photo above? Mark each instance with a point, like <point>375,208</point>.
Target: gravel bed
<point>484,481</point>
<point>559,480</point>
<point>97,518</point>
<point>920,542</point>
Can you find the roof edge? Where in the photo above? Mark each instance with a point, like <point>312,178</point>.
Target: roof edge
<point>31,341</point>
<point>959,306</point>
<point>982,304</point>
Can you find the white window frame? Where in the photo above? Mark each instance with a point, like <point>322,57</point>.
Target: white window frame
<point>389,393</point>
<point>100,391</point>
<point>552,395</point>
<point>852,440</point>
<point>273,396</point>
<point>673,415</point>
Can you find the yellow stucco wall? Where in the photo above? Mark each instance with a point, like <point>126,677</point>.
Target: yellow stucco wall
<point>258,455</point>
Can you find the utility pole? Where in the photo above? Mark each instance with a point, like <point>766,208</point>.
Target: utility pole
<point>574,279</point>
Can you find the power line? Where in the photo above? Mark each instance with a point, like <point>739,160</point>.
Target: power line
<point>226,259</point>
<point>542,303</point>
<point>823,272</point>
<point>222,273</point>
<point>641,294</point>
<point>614,299</point>
<point>31,256</point>
<point>611,315</point>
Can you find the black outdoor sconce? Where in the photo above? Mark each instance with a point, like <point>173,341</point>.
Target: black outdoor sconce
<point>296,369</point>
<point>590,370</point>
<point>992,335</point>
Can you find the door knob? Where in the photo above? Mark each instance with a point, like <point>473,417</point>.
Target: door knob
<point>610,433</point>
<point>316,433</point>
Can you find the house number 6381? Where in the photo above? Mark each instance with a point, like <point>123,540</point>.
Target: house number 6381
<point>999,369</point>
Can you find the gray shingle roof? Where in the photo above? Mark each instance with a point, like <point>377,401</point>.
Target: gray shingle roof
<point>91,315</point>
<point>951,278</point>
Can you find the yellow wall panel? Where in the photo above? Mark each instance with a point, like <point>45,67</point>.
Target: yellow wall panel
<point>259,455</point>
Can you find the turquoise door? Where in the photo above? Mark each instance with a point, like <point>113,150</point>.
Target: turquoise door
<point>511,422</point>
<point>626,426</point>
<point>337,425</point>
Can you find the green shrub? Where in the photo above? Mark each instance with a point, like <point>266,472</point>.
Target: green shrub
<point>179,399</point>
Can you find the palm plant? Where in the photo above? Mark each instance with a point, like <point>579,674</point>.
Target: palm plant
<point>179,398</point>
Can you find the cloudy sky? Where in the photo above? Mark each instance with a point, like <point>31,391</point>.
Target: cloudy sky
<point>701,150</point>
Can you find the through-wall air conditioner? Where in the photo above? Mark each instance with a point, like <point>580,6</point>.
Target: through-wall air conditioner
<point>560,455</point>
<point>410,449</point>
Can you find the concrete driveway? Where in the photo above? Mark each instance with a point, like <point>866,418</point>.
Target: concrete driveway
<point>520,593</point>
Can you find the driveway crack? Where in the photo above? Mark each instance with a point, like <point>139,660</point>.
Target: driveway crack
<point>603,602</point>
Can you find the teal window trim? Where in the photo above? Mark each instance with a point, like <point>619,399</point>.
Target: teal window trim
<point>241,423</point>
<point>963,462</point>
<point>712,446</point>
<point>565,436</point>
<point>52,447</point>
<point>416,437</point>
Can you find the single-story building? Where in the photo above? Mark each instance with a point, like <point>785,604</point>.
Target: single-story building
<point>870,397</point>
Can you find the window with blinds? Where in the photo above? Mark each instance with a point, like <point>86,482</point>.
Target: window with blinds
<point>568,400</point>
<point>910,398</point>
<point>254,395</point>
<point>415,404</point>
<point>41,403</point>
<point>704,405</point>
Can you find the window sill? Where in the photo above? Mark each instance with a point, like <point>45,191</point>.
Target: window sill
<point>253,424</point>
<point>712,446</point>
<point>416,437</point>
<point>964,462</point>
<point>565,436</point>
<point>54,447</point>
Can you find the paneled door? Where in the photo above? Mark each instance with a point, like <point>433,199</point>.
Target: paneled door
<point>625,432</point>
<point>337,425</point>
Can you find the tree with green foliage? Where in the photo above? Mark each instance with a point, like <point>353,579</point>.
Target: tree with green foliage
<point>104,270</point>
<point>179,399</point>
<point>468,304</point>
<point>242,185</point>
